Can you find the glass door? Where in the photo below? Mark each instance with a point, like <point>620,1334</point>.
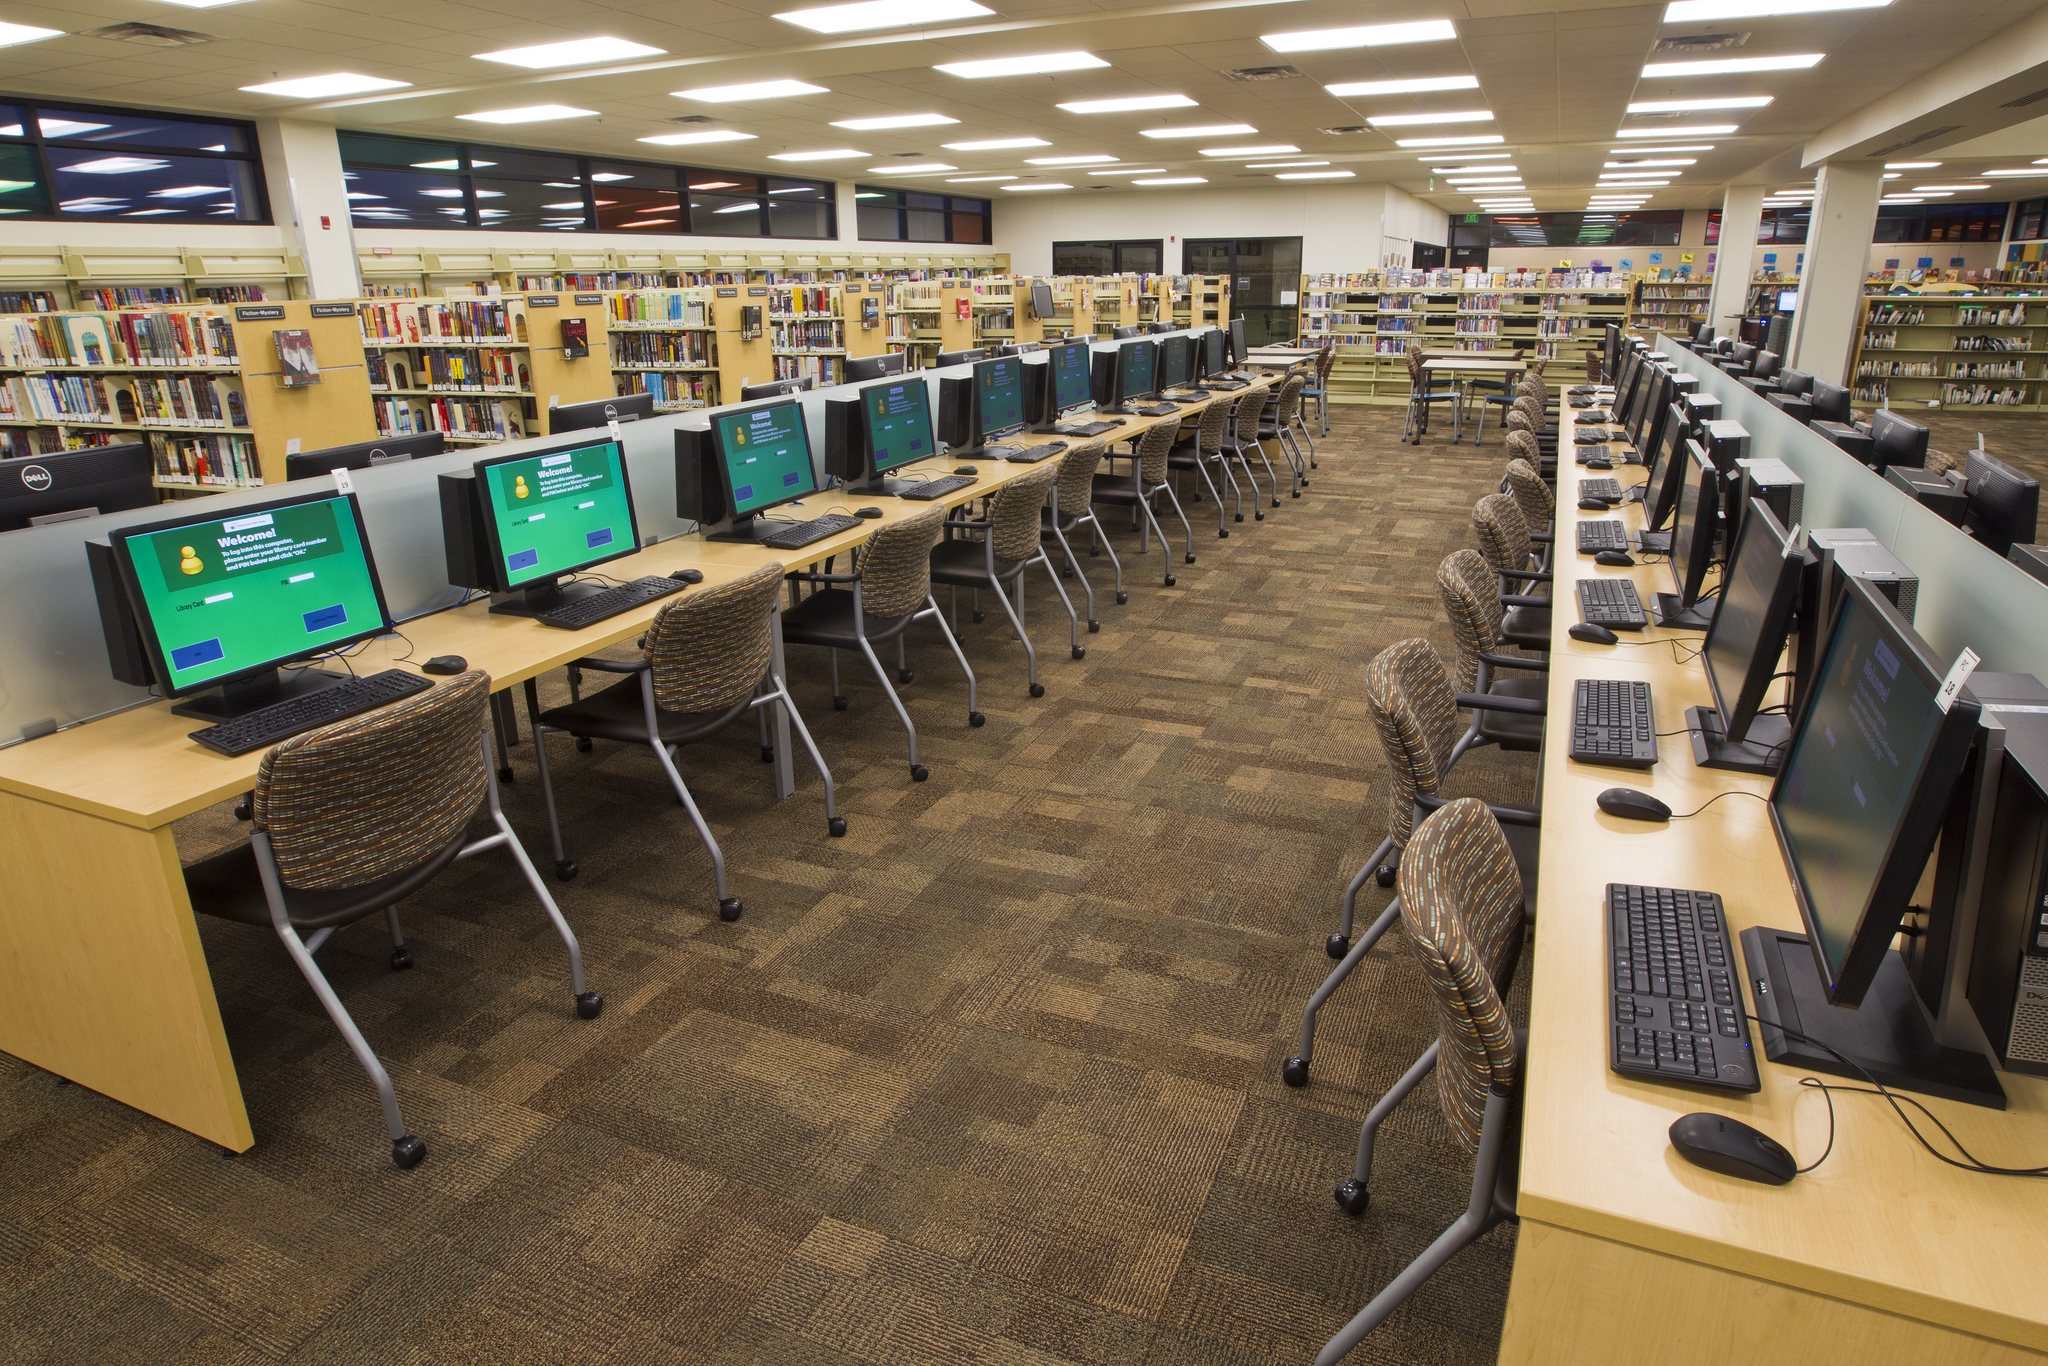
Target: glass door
<point>1265,275</point>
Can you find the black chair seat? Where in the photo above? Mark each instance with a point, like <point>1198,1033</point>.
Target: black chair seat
<point>964,563</point>
<point>1118,489</point>
<point>229,886</point>
<point>1528,627</point>
<point>827,618</point>
<point>1511,730</point>
<point>618,713</point>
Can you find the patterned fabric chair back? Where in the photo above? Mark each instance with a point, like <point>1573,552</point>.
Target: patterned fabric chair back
<point>1215,426</point>
<point>1470,594</point>
<point>376,794</point>
<point>1415,369</point>
<point>1077,476</point>
<point>1461,904</point>
<point>896,565</point>
<point>1326,357</point>
<point>1518,422</point>
<point>1503,535</point>
<point>1521,441</point>
<point>1531,494</point>
<point>1250,409</point>
<point>1013,513</point>
<point>1536,365</point>
<point>1941,462</point>
<point>1533,387</point>
<point>1531,408</point>
<point>1153,448</point>
<point>1289,402</point>
<point>710,649</point>
<point>1416,714</point>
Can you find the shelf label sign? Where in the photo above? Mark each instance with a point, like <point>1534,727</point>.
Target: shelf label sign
<point>334,310</point>
<point>1685,258</point>
<point>543,301</point>
<point>757,291</point>
<point>728,292</point>
<point>585,300</point>
<point>261,313</point>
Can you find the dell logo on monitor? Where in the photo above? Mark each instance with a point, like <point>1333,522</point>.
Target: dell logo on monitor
<point>35,478</point>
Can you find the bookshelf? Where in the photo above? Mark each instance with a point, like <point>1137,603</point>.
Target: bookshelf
<point>62,279</point>
<point>807,332</point>
<point>481,370</point>
<point>1969,351</point>
<point>1670,307</point>
<point>663,342</point>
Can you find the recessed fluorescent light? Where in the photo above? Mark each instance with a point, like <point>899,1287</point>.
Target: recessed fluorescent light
<point>882,14</point>
<point>2023,171</point>
<point>1689,11</point>
<point>1705,130</point>
<point>1093,159</point>
<point>1893,175</point>
<point>823,154</point>
<point>1373,35</point>
<point>1042,64</point>
<point>10,34</point>
<point>1470,140</point>
<point>1928,189</point>
<point>756,90</point>
<point>577,52</point>
<point>995,144</point>
<point>305,87</point>
<point>1038,186</point>
<point>1733,66</point>
<point>697,139</point>
<point>1129,104</point>
<point>1469,156</point>
<point>1131,170</point>
<point>1412,86</point>
<point>1676,161</point>
<point>913,166</point>
<point>1207,130</point>
<point>978,179</point>
<point>1273,149</point>
<point>1631,182</point>
<point>1475,170</point>
<point>1419,120</point>
<point>1902,199</point>
<point>1916,165</point>
<point>1175,180</point>
<point>1689,106</point>
<point>1622,177</point>
<point>1936,194</point>
<point>1637,151</point>
<point>892,121</point>
<point>1279,165</point>
<point>646,222</point>
<point>1315,175</point>
<point>532,113</point>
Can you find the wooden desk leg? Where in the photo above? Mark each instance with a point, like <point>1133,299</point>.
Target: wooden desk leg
<point>778,720</point>
<point>106,983</point>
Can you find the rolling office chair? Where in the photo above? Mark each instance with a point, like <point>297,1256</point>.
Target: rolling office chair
<point>1010,543</point>
<point>891,588</point>
<point>1416,715</point>
<point>1509,551</point>
<point>1538,505</point>
<point>1204,447</point>
<point>1278,423</point>
<point>1070,510</point>
<point>1796,382</point>
<point>1546,449</point>
<point>1143,487</point>
<point>1941,462</point>
<point>1247,419</point>
<point>705,662</point>
<point>1421,398</point>
<point>1522,446</point>
<point>1465,587</point>
<point>348,819</point>
<point>1462,908</point>
<point>1319,390</point>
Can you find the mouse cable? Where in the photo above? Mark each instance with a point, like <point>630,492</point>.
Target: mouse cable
<point>1731,792</point>
<point>1971,1163</point>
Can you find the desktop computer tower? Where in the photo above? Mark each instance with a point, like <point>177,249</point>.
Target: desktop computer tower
<point>846,441</point>
<point>1783,492</point>
<point>1687,385</point>
<point>1701,409</point>
<point>955,423</point>
<point>700,483</point>
<point>2032,558</point>
<point>1727,443</point>
<point>1853,552</point>
<point>1947,500</point>
<point>463,539</point>
<point>1038,394</point>
<point>1777,333</point>
<point>2008,978</point>
<point>126,653</point>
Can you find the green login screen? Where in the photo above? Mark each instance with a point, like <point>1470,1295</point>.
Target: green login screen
<point>255,589</point>
<point>558,512</point>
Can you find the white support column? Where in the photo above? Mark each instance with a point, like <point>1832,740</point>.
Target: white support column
<point>309,202</point>
<point>1837,253</point>
<point>1742,210</point>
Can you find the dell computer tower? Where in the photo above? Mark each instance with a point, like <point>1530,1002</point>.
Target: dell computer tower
<point>1853,552</point>
<point>463,540</point>
<point>2008,979</point>
<point>126,654</point>
<point>700,482</point>
<point>846,441</point>
<point>955,424</point>
<point>1783,492</point>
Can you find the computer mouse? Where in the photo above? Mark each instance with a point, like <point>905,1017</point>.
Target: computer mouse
<point>868,514</point>
<point>965,469</point>
<point>1591,634</point>
<point>444,665</point>
<point>1732,1148</point>
<point>1592,505</point>
<point>1617,558</point>
<point>689,575</point>
<point>1625,803</point>
<point>1599,462</point>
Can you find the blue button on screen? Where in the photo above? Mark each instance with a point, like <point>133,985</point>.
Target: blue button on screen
<point>192,656</point>
<point>522,559</point>
<point>602,536</point>
<point>326,618</point>
<point>742,493</point>
<point>789,480</point>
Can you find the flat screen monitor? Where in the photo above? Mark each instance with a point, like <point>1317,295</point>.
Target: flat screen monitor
<point>1830,402</point>
<point>1788,300</point>
<point>2004,504</point>
<point>230,596</point>
<point>64,484</point>
<point>1611,351</point>
<point>1895,440</point>
<point>1068,367</point>
<point>1752,619</point>
<point>766,452</point>
<point>599,412</point>
<point>1699,521</point>
<point>1652,400</point>
<point>899,423</point>
<point>1127,331</point>
<point>1237,347</point>
<point>1215,351</point>
<point>860,369</point>
<point>1041,300</point>
<point>1666,461</point>
<point>1627,388</point>
<point>1859,799</point>
<point>552,512</point>
<point>774,388</point>
<point>1135,364</point>
<point>363,455</point>
<point>1173,361</point>
<point>999,397</point>
<point>966,357</point>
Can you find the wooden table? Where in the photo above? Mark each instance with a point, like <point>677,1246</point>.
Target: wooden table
<point>1280,357</point>
<point>1469,363</point>
<point>1628,1253</point>
<point>106,982</point>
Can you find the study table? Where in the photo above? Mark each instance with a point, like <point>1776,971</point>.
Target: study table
<point>1626,1252</point>
<point>1470,363</point>
<point>107,983</point>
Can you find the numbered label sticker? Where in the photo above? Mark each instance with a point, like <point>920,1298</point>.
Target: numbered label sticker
<point>1958,674</point>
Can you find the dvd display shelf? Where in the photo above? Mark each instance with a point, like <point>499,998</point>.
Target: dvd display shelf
<point>1977,351</point>
<point>1672,306</point>
<point>63,279</point>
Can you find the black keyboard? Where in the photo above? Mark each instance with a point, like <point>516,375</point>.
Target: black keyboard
<point>1031,455</point>
<point>1606,490</point>
<point>574,616</point>
<point>1677,1011</point>
<point>1611,723</point>
<point>804,533</point>
<point>1597,436</point>
<point>1086,428</point>
<point>1611,603</point>
<point>1226,383</point>
<point>264,727</point>
<point>1156,410</point>
<point>936,488</point>
<point>1595,415</point>
<point>1605,534</point>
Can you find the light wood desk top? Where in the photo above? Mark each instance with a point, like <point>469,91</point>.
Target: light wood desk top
<point>1881,1223</point>
<point>1478,364</point>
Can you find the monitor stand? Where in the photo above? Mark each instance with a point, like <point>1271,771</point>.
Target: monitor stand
<point>747,531</point>
<point>251,694</point>
<point>1889,1035</point>
<point>1757,752</point>
<point>538,598</point>
<point>1653,542</point>
<point>1665,610</point>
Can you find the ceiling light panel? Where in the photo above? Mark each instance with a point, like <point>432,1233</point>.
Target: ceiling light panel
<point>1692,11</point>
<point>1129,104</point>
<point>1281,165</point>
<point>1042,64</point>
<point>1674,161</point>
<point>1210,130</point>
<point>1689,106</point>
<point>883,121</point>
<point>1468,140</point>
<point>909,168</point>
<point>532,113</point>
<point>756,90</point>
<point>882,14</point>
<point>697,139</point>
<point>305,87</point>
<point>1421,120</point>
<point>577,52</point>
<point>1929,189</point>
<point>823,154</point>
<point>1637,151</point>
<point>1373,35</point>
<point>2022,171</point>
<point>1315,175</point>
<point>1277,149</point>
<point>1412,86</point>
<point>1733,66</point>
<point>1038,186</point>
<point>995,144</point>
<point>1175,180</point>
<point>10,34</point>
<point>1476,170</point>
<point>1092,160</point>
<point>978,179</point>
<point>1130,170</point>
<point>1713,130</point>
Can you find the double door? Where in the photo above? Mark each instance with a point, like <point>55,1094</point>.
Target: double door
<point>1265,275</point>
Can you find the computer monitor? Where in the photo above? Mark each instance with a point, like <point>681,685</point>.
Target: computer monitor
<point>1136,371</point>
<point>1610,351</point>
<point>1015,349</point>
<point>1629,386</point>
<point>363,455</point>
<point>1692,540</point>
<point>1174,362</point>
<point>552,512</point>
<point>1830,402</point>
<point>1066,383</point>
<point>1795,382</point>
<point>222,598</point>
<point>1895,440</point>
<point>1788,300</point>
<point>1745,642</point>
<point>599,412</point>
<point>774,388</point>
<point>1041,300</point>
<point>1652,408</point>
<point>1215,352</point>
<point>860,369</point>
<point>897,418</point>
<point>963,357</point>
<point>65,485</point>
<point>2004,504</point>
<point>1127,330</point>
<point>999,397</point>
<point>765,454</point>
<point>1237,347</point>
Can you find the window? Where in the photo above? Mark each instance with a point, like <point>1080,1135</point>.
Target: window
<point>916,216</point>
<point>1654,228</point>
<point>416,182</point>
<point>1135,256</point>
<point>74,162</point>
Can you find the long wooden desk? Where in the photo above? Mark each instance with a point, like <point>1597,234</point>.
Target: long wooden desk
<point>1628,1253</point>
<point>106,982</point>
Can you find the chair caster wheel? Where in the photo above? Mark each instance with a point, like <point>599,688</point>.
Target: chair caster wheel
<point>767,754</point>
<point>1239,517</point>
<point>407,1152</point>
<point>905,675</point>
<point>836,827</point>
<point>243,811</point>
<point>839,704</point>
<point>1094,626</point>
<point>978,618</point>
<point>729,909</point>
<point>401,959</point>
<point>1169,580</point>
<point>583,743</point>
<point>1122,597</point>
<point>566,870</point>
<point>1337,945</point>
<point>1190,557</point>
<point>975,719</point>
<point>1038,689</point>
<point>1080,652</point>
<point>589,1005</point>
<point>1276,501</point>
<point>1385,875</point>
<point>1221,534</point>
<point>505,774</point>
<point>918,773</point>
<point>1353,1197</point>
<point>1297,493</point>
<point>1294,1071</point>
<point>1258,516</point>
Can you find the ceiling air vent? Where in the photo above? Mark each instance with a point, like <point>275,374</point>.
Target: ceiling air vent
<point>693,118</point>
<point>1927,136</point>
<point>1252,74</point>
<point>149,35</point>
<point>1701,42</point>
<point>2023,101</point>
<point>1345,130</point>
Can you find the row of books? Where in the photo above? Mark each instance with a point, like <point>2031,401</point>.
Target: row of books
<point>1982,395</point>
<point>1898,369</point>
<point>481,419</point>
<point>806,301</point>
<point>812,336</point>
<point>1987,369</point>
<point>1470,327</point>
<point>672,393</point>
<point>28,301</point>
<point>661,348</point>
<point>207,461</point>
<point>479,370</point>
<point>92,339</point>
<point>450,320</point>
<point>1893,313</point>
<point>175,338</point>
<point>2016,316</point>
<point>603,279</point>
<point>1986,342</point>
<point>821,370</point>
<point>57,398</point>
<point>1880,341</point>
<point>144,400</point>
<point>666,306</point>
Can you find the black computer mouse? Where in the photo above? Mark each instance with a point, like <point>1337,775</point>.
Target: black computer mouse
<point>444,665</point>
<point>1732,1148</point>
<point>868,514</point>
<point>1599,462</point>
<point>1592,505</point>
<point>1591,634</point>
<point>1625,803</point>
<point>1617,558</point>
<point>689,575</point>
<point>965,469</point>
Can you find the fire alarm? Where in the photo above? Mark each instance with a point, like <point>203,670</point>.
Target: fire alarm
<point>326,225</point>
